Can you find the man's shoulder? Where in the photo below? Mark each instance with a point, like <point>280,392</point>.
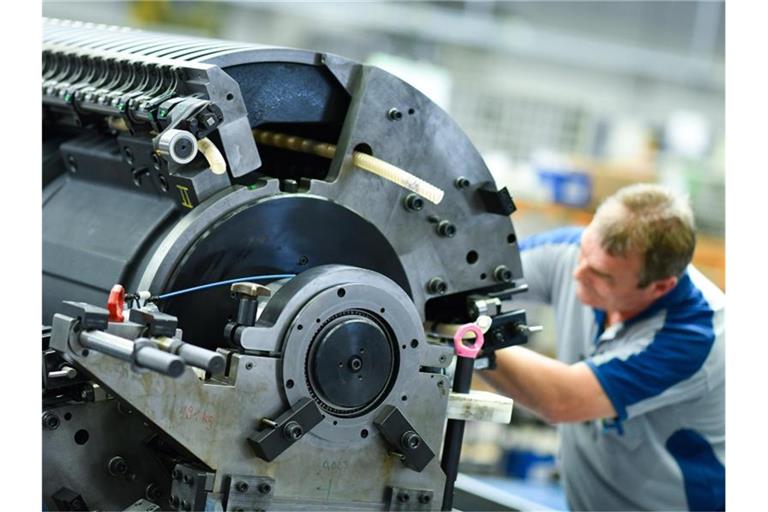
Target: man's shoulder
<point>565,236</point>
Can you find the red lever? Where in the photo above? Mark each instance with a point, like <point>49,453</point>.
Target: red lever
<point>116,303</point>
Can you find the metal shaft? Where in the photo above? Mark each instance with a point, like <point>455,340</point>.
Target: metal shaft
<point>121,348</point>
<point>199,357</point>
<point>454,432</point>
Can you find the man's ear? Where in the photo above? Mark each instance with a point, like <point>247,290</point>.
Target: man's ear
<point>663,286</point>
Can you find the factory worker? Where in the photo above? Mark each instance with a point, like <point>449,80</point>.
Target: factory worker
<point>638,390</point>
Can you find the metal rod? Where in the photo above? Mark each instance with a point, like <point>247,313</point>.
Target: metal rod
<point>454,432</point>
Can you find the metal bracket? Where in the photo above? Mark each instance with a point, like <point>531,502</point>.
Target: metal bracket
<point>276,436</point>
<point>401,498</point>
<point>403,438</point>
<point>190,487</point>
<point>249,493</point>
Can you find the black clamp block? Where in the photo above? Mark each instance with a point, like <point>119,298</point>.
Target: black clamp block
<point>158,324</point>
<point>506,330</point>
<point>402,498</point>
<point>496,201</point>
<point>190,487</point>
<point>90,317</point>
<point>403,438</point>
<point>67,499</point>
<point>276,436</point>
<point>249,493</point>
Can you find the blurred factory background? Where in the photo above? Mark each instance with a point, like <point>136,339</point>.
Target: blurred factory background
<point>567,101</point>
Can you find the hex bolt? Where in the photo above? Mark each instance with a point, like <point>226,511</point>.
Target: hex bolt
<point>446,228</point>
<point>117,466</point>
<point>293,431</point>
<point>461,182</point>
<point>503,274</point>
<point>424,499</point>
<point>413,202</point>
<point>403,497</point>
<point>241,486</point>
<point>50,421</point>
<point>394,114</point>
<point>437,286</point>
<point>410,440</point>
<point>265,488</point>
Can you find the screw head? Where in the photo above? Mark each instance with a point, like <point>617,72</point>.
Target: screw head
<point>117,466</point>
<point>424,498</point>
<point>437,286</point>
<point>293,431</point>
<point>446,228</point>
<point>50,421</point>
<point>394,114</point>
<point>461,182</point>
<point>502,273</point>
<point>403,497</point>
<point>265,488</point>
<point>413,202</point>
<point>249,365</point>
<point>410,440</point>
<point>241,486</point>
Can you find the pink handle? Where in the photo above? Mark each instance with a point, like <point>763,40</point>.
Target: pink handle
<point>463,350</point>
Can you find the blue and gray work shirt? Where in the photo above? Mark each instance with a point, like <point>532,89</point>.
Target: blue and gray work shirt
<point>664,372</point>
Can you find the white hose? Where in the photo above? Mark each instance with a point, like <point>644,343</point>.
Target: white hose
<point>361,160</point>
<point>212,154</point>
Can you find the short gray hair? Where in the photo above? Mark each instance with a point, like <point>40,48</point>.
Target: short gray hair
<point>652,220</point>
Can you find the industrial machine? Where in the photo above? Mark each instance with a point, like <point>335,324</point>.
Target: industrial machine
<point>267,277</point>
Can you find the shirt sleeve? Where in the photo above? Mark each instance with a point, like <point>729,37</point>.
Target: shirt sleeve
<point>648,375</point>
<point>547,259</point>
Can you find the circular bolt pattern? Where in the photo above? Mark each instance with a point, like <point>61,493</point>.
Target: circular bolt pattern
<point>293,431</point>
<point>241,486</point>
<point>461,182</point>
<point>437,286</point>
<point>503,274</point>
<point>413,202</point>
<point>50,421</point>
<point>446,228</point>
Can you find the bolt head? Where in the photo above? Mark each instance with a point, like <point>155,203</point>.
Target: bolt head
<point>241,486</point>
<point>403,497</point>
<point>265,488</point>
<point>424,499</point>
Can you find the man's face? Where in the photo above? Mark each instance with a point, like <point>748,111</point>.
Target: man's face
<point>610,282</point>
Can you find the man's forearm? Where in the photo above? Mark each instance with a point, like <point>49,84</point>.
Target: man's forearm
<point>554,390</point>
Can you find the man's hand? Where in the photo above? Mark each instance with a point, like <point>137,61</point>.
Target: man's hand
<point>554,390</point>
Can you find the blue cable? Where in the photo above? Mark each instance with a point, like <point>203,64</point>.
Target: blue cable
<point>220,283</point>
